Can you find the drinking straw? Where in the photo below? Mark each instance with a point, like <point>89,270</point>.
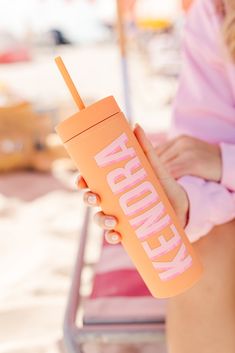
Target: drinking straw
<point>69,82</point>
<point>124,62</point>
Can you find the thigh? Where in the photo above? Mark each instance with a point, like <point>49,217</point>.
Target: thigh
<point>203,319</point>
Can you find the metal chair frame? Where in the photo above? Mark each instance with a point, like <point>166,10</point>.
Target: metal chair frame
<point>75,334</point>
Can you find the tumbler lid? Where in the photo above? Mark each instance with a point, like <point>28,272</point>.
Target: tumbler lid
<point>87,118</point>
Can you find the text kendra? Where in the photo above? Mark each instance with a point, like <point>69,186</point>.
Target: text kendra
<point>137,195</point>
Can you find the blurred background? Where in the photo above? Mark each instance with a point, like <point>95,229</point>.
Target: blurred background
<point>41,212</point>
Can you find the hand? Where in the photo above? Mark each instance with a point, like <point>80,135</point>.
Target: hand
<point>186,155</point>
<point>176,194</point>
<point>106,222</point>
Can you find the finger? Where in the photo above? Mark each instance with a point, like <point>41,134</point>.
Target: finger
<point>176,173</point>
<point>151,154</point>
<point>164,147</point>
<point>80,182</point>
<point>104,221</point>
<point>177,169</point>
<point>91,199</point>
<point>170,154</point>
<point>112,237</point>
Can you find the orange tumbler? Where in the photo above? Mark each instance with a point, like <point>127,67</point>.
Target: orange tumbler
<point>105,150</point>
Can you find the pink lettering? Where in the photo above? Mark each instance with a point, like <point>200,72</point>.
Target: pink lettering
<point>150,222</point>
<point>177,266</point>
<point>115,152</point>
<point>140,202</point>
<point>127,201</point>
<point>166,245</point>
<point>121,179</point>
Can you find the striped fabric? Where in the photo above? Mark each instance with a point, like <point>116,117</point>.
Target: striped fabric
<point>119,294</point>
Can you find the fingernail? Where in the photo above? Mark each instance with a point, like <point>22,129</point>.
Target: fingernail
<point>114,238</point>
<point>92,199</point>
<point>110,223</point>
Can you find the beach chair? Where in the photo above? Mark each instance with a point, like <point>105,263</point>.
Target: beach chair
<point>119,315</point>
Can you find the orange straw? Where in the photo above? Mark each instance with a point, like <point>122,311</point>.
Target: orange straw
<point>120,28</point>
<point>69,83</point>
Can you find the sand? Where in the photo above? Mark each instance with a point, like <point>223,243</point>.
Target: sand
<point>38,243</point>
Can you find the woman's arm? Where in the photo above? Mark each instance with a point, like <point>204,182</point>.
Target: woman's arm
<point>199,205</point>
<point>186,155</point>
<point>210,203</point>
<point>204,108</point>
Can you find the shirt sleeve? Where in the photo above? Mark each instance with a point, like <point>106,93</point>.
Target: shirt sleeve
<point>204,99</point>
<point>210,204</point>
<point>204,104</point>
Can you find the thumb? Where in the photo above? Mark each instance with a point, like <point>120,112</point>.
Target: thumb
<point>176,194</point>
<point>151,154</point>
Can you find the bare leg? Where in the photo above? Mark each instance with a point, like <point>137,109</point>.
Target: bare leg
<point>202,320</point>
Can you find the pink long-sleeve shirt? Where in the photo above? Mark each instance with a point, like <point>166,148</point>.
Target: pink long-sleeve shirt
<point>205,108</point>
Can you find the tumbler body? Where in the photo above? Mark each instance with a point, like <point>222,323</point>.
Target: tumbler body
<point>107,154</point>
